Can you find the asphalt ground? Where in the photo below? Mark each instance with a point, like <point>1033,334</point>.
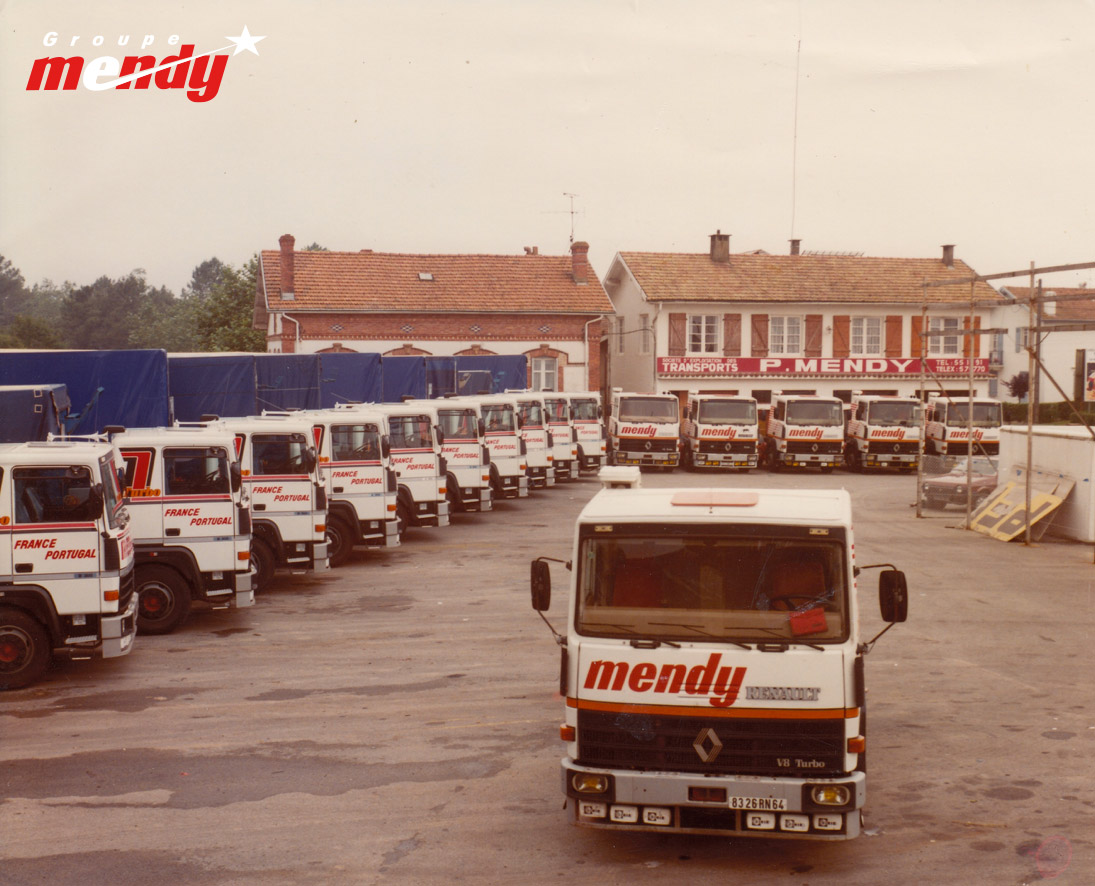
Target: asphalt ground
<point>396,721</point>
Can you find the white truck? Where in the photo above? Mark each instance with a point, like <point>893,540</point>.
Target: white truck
<point>883,432</point>
<point>804,432</point>
<point>644,430</point>
<point>420,468</point>
<point>66,557</point>
<point>564,448</point>
<point>539,446</point>
<point>712,666</point>
<point>719,431</point>
<point>280,469</point>
<point>191,522</point>
<point>587,419</point>
<point>948,428</point>
<point>501,434</point>
<point>462,434</point>
<point>354,451</point>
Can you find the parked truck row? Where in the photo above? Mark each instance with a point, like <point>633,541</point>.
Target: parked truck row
<point>108,536</point>
<point>872,432</point>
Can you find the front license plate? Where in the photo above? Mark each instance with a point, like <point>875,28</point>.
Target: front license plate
<point>773,804</point>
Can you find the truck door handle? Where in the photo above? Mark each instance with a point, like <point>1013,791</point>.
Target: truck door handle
<point>172,532</point>
<point>338,489</point>
<point>258,507</point>
<point>24,567</point>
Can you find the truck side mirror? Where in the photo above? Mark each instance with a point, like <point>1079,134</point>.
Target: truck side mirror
<point>540,579</point>
<point>440,434</point>
<point>95,502</point>
<point>893,595</point>
<point>385,445</point>
<point>310,459</point>
<point>482,428</point>
<point>600,412</point>
<point>235,475</point>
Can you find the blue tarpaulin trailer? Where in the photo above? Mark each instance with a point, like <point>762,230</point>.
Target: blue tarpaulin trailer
<point>350,378</point>
<point>105,387</point>
<point>31,412</point>
<point>500,372</point>
<point>212,384</point>
<point>287,381</point>
<point>403,377</point>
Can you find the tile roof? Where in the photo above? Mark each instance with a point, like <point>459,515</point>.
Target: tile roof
<point>385,281</point>
<point>1073,311</point>
<point>753,277</point>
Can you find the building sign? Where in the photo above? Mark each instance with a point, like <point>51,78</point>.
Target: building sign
<point>835,366</point>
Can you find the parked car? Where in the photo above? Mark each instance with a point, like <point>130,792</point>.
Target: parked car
<point>948,489</point>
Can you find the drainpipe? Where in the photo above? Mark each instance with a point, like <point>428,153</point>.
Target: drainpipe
<point>297,322</point>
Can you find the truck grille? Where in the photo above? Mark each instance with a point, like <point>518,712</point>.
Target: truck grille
<point>818,447</point>
<point>125,591</point>
<point>728,446</point>
<point>619,740</point>
<point>637,445</point>
<point>901,447</point>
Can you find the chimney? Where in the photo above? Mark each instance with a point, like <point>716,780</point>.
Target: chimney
<point>795,246</point>
<point>579,262</point>
<point>948,255</point>
<point>287,289</point>
<point>720,247</point>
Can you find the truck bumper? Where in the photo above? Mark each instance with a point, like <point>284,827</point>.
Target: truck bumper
<point>476,498</point>
<point>119,630</point>
<point>884,460</point>
<point>738,460</point>
<point>538,477</point>
<point>666,801</point>
<point>663,459</point>
<point>810,460</point>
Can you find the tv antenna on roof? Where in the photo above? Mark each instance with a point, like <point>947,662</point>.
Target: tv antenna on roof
<point>572,211</point>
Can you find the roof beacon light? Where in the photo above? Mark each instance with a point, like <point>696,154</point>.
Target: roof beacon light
<point>620,477</point>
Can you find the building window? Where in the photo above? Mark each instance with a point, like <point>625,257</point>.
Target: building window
<point>944,345</point>
<point>703,334</point>
<point>785,336</point>
<point>545,375</point>
<point>644,334</point>
<point>1022,338</point>
<point>866,337</point>
<point>619,335</point>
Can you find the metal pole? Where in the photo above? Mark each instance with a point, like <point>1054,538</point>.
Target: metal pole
<point>969,411</point>
<point>1031,407</point>
<point>923,406</point>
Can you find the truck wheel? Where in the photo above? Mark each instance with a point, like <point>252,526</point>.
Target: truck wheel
<point>403,519</point>
<point>340,541</point>
<point>25,650</point>
<point>163,601</point>
<point>262,564</point>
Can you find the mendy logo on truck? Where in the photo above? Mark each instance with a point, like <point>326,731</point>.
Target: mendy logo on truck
<point>712,666</point>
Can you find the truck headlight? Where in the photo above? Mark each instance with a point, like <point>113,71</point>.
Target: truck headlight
<point>589,783</point>
<point>830,794</point>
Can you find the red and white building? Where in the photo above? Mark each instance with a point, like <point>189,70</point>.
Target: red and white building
<point>753,323</point>
<point>549,308</point>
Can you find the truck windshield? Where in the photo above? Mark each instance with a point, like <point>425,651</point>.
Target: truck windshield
<point>278,454</point>
<point>985,415</point>
<point>653,409</point>
<point>809,412</point>
<point>498,417</point>
<point>458,424</point>
<point>584,410</point>
<point>531,414</point>
<point>886,413</point>
<point>112,491</point>
<point>710,587</point>
<point>727,412</point>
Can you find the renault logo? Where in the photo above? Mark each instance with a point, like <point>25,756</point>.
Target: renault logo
<point>707,745</point>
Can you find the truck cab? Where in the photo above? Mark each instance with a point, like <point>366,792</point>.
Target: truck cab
<point>587,418</point>
<point>539,440</point>
<point>420,468</point>
<point>564,449</point>
<point>280,470</point>
<point>191,522</point>
<point>712,666</point>
<point>948,429</point>
<point>66,557</point>
<point>502,437</point>
<point>719,431</point>
<point>462,433</point>
<point>644,430</point>
<point>883,432</point>
<point>804,431</point>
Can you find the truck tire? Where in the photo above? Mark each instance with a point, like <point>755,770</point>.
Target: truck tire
<point>25,649</point>
<point>262,564</point>
<point>340,540</point>
<point>163,599</point>
<point>404,518</point>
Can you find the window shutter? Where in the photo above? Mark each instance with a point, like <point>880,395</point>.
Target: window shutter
<point>893,335</point>
<point>813,335</point>
<point>731,335</point>
<point>677,324</point>
<point>917,345</point>
<point>759,338</point>
<point>842,324</point>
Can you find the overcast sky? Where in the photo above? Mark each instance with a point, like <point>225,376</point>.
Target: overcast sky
<point>457,127</point>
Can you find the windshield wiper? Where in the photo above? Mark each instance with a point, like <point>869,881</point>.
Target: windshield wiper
<point>652,644</point>
<point>674,624</point>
